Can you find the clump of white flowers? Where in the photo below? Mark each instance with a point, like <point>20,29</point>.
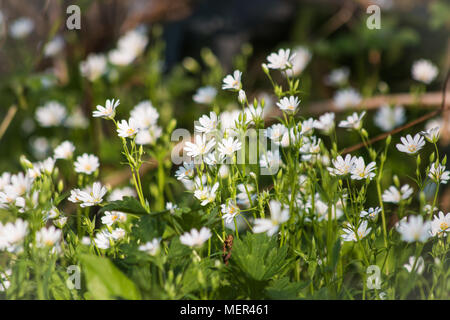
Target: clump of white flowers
<point>424,71</point>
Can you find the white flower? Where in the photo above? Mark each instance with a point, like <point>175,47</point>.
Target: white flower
<point>243,197</point>
<point>415,229</point>
<point>64,150</point>
<point>77,120</point>
<point>371,213</point>
<point>411,145</point>
<point>353,122</point>
<point>424,71</point>
<point>60,222</point>
<point>420,265</point>
<point>300,59</point>
<point>149,135</point>
<point>200,147</point>
<point>206,194</point>
<point>86,241</point>
<point>337,77</point>
<point>242,97</point>
<point>254,113</point>
<point>428,209</point>
<point>438,173</point>
<point>310,146</point>
<point>102,239</point>
<point>275,132</point>
<point>388,118</point>
<point>207,124</point>
<point>440,225</point>
<point>205,95</point>
<point>351,235</point>
<point>118,194</point>
<point>127,129</point>
<point>432,135</point>
<point>325,123</point>
<point>214,158</point>
<point>5,179</point>
<point>277,217</point>
<point>34,172</point>
<point>128,48</point>
<point>171,207</point>
<point>54,46</point>
<point>40,146</point>
<point>74,195</point>
<point>347,98</point>
<point>394,195</point>
<point>186,171</point>
<point>229,211</point>
<point>270,159</point>
<point>112,217</point>
<point>342,166</point>
<point>321,208</point>
<point>93,67</point>
<point>195,238</point>
<point>145,114</point>
<point>282,60</point>
<point>93,197</point>
<point>20,183</point>
<point>108,111</point>
<point>51,114</point>
<point>151,247</point>
<point>12,235</point>
<point>229,146</point>
<point>361,171</point>
<point>228,120</point>
<point>288,104</point>
<point>118,233</point>
<point>47,165</point>
<point>48,237</point>
<point>232,82</point>
<point>21,27</point>
<point>4,277</point>
<point>86,163</point>
<point>224,171</point>
<point>307,127</point>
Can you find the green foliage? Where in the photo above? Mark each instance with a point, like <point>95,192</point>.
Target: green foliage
<point>105,281</point>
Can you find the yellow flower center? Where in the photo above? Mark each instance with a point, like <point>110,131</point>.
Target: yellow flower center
<point>412,148</point>
<point>443,226</point>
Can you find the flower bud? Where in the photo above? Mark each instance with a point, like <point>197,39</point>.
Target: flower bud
<point>26,164</point>
<point>242,97</point>
<point>396,181</point>
<point>388,140</point>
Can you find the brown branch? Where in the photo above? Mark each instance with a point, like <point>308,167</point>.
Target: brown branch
<point>7,120</point>
<point>408,125</point>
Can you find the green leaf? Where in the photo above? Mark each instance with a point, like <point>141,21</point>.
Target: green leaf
<point>105,281</point>
<point>127,205</point>
<point>283,289</point>
<point>259,256</point>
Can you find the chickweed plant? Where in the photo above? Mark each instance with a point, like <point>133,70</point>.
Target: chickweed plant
<point>259,202</point>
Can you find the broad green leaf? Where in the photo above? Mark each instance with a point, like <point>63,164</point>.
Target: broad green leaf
<point>259,256</point>
<point>105,281</point>
<point>283,289</point>
<point>127,205</point>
